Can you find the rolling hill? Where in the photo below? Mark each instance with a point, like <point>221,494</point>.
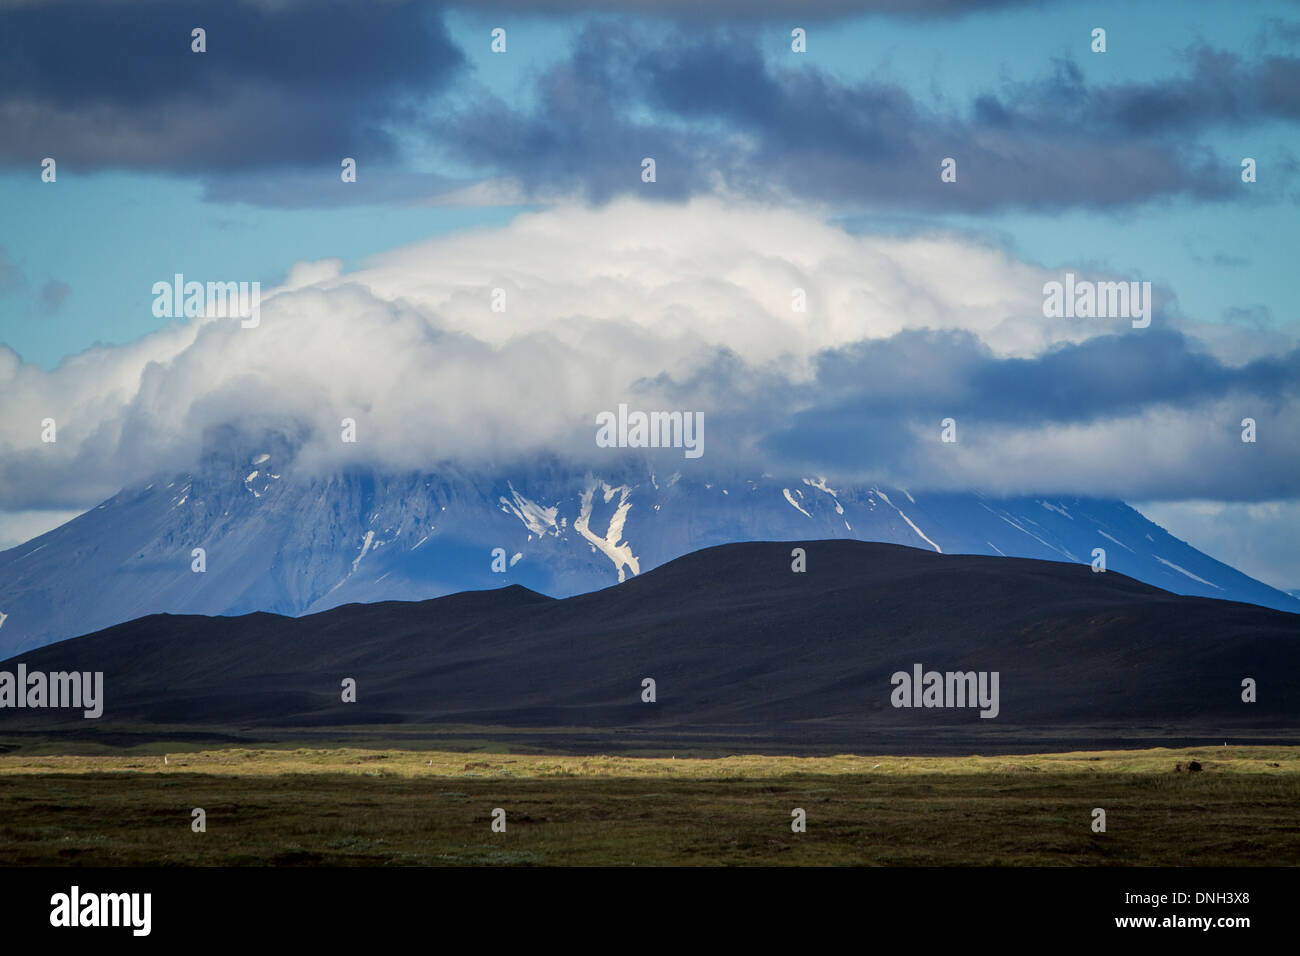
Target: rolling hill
<point>745,653</point>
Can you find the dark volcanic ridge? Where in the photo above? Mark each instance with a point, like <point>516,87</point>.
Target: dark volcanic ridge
<point>743,651</point>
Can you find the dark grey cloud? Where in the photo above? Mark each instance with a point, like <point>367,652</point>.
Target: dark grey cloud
<point>874,407</point>
<point>1218,88</point>
<point>1101,377</point>
<point>713,111</point>
<point>287,88</point>
<point>864,409</point>
<point>102,85</point>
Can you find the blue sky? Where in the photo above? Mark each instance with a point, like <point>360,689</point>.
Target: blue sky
<point>1121,163</point>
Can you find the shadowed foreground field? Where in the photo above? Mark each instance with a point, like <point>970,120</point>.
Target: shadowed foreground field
<point>353,807</point>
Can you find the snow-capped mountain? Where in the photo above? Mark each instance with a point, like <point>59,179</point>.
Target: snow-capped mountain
<point>278,541</point>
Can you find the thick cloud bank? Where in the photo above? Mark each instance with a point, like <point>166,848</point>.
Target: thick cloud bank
<point>688,308</point>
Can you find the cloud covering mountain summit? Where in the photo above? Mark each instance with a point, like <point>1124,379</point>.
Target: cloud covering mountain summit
<point>684,308</point>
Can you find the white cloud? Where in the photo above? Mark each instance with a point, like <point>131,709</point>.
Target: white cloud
<point>720,274</point>
<point>630,302</point>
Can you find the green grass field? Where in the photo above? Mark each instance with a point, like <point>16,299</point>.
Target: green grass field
<point>343,807</point>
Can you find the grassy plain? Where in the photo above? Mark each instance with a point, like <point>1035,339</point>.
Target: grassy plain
<point>340,807</point>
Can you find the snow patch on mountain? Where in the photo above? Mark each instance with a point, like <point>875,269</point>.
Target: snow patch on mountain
<point>1023,529</point>
<point>820,485</point>
<point>1116,540</point>
<point>921,534</point>
<point>536,518</point>
<point>786,492</point>
<point>609,545</point>
<point>365,546</point>
<point>1057,508</point>
<point>1185,571</point>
